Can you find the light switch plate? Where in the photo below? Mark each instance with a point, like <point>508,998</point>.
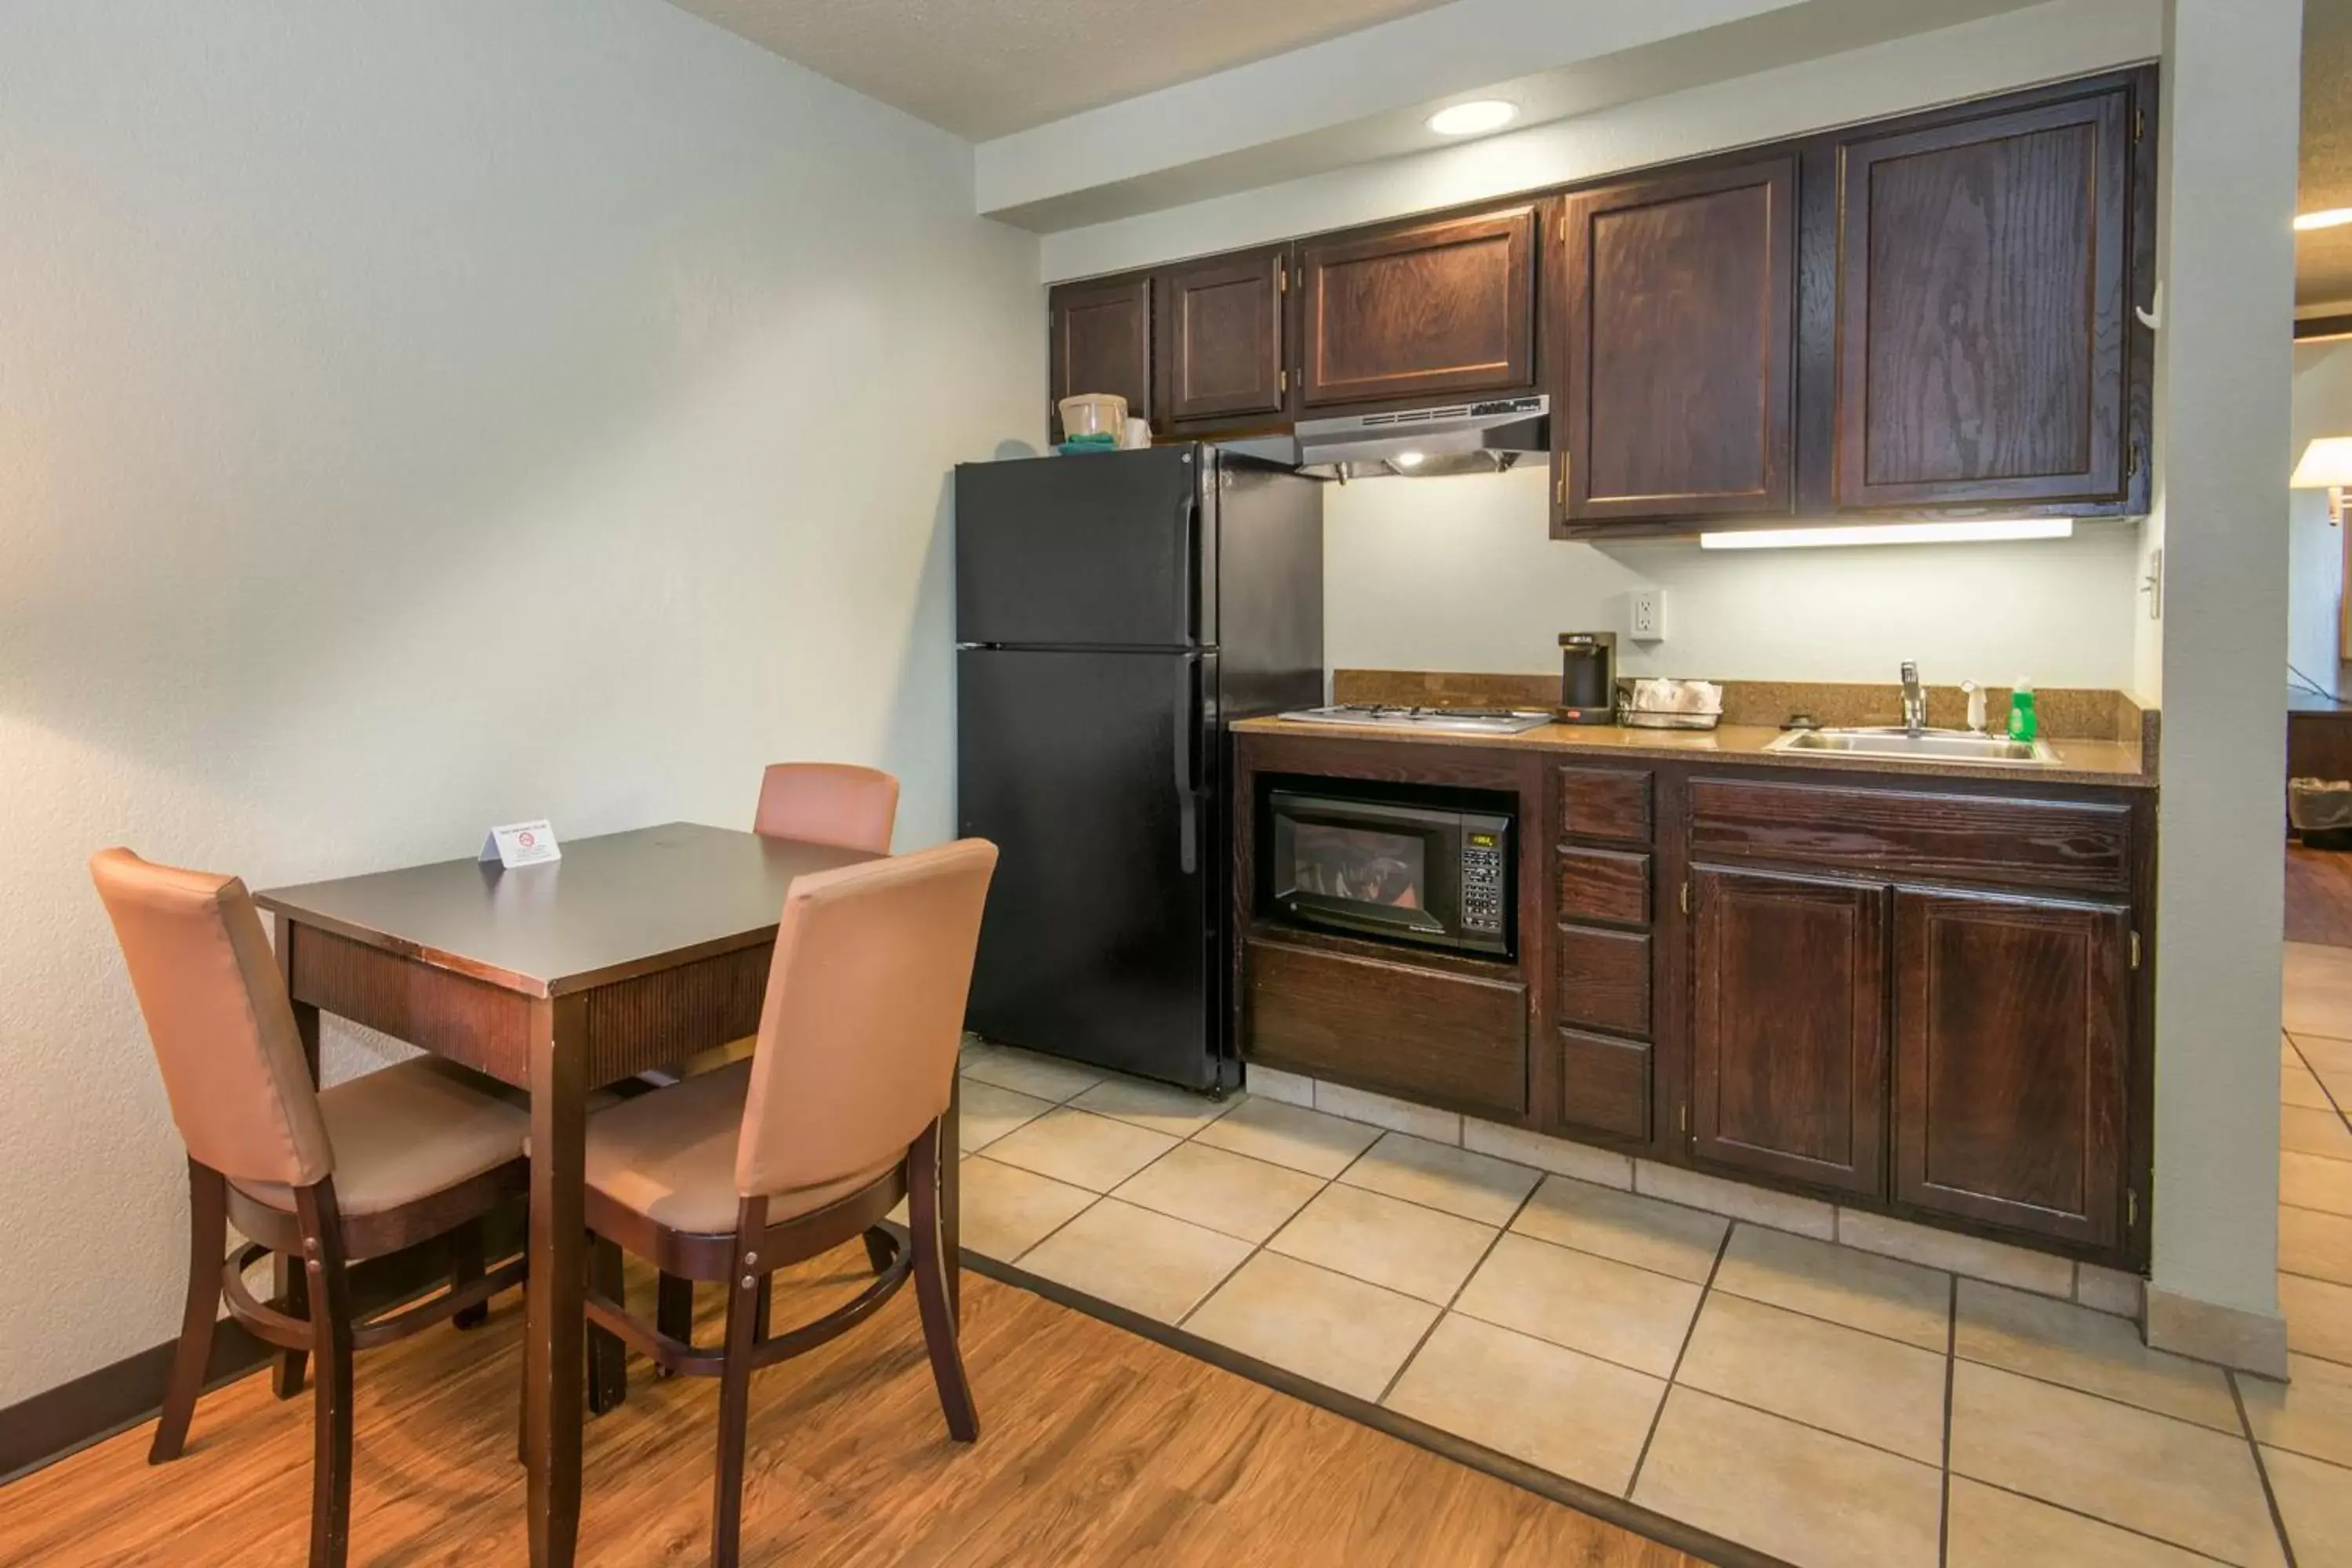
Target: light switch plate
<point>1646,615</point>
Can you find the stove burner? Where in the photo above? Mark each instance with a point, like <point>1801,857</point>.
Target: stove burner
<point>1448,720</point>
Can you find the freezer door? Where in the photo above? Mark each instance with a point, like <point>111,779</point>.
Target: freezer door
<point>1091,771</point>
<point>1101,551</point>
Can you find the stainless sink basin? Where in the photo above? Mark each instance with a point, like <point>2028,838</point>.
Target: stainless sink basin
<point>1924,745</point>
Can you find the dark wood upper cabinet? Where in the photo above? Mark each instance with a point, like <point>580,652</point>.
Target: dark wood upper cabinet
<point>1410,310</point>
<point>1101,342</point>
<point>1678,321</point>
<point>1788,1025</point>
<point>1984,314</point>
<point>1220,339</point>
<point>2011,1021</point>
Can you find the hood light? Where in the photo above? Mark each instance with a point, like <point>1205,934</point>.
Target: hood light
<point>1408,461</point>
<point>1891,534</point>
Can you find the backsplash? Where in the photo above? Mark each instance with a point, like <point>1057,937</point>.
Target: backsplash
<point>2065,713</point>
<point>1461,574</point>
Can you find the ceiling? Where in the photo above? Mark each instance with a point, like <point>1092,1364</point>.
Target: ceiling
<point>2323,258</point>
<point>986,68</point>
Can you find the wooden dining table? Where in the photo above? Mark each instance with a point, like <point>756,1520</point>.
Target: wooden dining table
<point>633,951</point>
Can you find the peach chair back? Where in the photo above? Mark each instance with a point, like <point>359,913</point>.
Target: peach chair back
<point>217,1011</point>
<point>863,1017</point>
<point>829,802</point>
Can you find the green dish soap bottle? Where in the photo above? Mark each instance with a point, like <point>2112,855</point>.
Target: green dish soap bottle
<point>2022,721</point>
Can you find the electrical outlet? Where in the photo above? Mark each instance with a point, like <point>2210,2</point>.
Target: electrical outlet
<point>1646,615</point>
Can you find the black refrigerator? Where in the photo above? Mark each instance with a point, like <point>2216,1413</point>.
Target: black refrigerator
<point>1114,613</point>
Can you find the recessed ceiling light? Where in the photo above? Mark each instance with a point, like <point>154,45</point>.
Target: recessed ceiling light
<point>1891,534</point>
<point>1470,119</point>
<point>2334,217</point>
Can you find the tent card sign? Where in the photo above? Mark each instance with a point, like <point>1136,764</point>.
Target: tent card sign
<point>520,844</point>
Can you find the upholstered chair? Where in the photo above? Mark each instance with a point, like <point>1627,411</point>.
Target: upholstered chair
<point>816,803</point>
<point>829,802</point>
<point>409,1154</point>
<point>836,1116</point>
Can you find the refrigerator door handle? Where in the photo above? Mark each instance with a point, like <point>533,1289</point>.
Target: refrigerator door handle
<point>1188,831</point>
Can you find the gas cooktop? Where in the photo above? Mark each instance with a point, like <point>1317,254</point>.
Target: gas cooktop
<point>1442,720</point>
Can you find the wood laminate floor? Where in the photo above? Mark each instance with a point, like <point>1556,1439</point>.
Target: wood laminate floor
<point>1096,1447</point>
<point>2319,896</point>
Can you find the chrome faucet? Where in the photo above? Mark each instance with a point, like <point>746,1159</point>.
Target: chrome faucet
<point>1914,700</point>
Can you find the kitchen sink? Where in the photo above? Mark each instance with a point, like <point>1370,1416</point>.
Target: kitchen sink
<point>1921,746</point>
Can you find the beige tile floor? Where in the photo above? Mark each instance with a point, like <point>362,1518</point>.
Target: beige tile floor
<point>1824,1404</point>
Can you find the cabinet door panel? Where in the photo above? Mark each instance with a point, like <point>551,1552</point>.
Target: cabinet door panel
<point>1101,342</point>
<point>1680,313</point>
<point>1983,310</point>
<point>1220,338</point>
<point>1443,306</point>
<point>1788,1028</point>
<point>2011,1015</point>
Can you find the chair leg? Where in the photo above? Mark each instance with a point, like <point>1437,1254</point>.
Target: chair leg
<point>939,1331</point>
<point>673,1311</point>
<point>608,1366</point>
<point>465,1268</point>
<point>878,1249</point>
<point>331,1341</point>
<point>208,1243</point>
<point>763,1302</point>
<point>747,1294</point>
<point>293,1299</point>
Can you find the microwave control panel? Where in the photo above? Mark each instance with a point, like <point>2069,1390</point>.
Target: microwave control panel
<point>1482,881</point>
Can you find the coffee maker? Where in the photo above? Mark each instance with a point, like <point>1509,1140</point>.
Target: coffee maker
<point>1587,678</point>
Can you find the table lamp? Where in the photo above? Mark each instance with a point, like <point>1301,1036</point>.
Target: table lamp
<point>2327,466</point>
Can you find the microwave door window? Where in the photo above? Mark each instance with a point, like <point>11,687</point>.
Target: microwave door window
<point>1362,875</point>
<point>1359,865</point>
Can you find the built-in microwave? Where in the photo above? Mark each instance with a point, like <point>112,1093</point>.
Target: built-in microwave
<point>1407,869</point>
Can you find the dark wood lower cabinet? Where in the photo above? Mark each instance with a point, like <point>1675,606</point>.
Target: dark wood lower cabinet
<point>1605,1083</point>
<point>1456,1039</point>
<point>1912,995</point>
<point>2010,1027</point>
<point>1788,1030</point>
<point>1603,978</point>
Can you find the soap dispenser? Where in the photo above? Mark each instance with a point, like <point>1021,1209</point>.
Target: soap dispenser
<point>1976,696</point>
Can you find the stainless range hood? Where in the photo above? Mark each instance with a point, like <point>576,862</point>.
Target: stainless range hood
<point>1449,438</point>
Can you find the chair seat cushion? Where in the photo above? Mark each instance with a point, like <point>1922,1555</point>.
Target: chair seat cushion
<point>405,1133</point>
<point>670,1156</point>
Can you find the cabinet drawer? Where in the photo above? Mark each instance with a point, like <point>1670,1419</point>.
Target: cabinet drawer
<point>1608,884</point>
<point>1604,803</point>
<point>1604,979</point>
<point>1419,1033</point>
<point>2072,845</point>
<point>1605,1083</point>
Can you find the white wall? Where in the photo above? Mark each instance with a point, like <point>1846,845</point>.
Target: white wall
<point>415,417</point>
<point>2227,255</point>
<point>2322,406</point>
<point>1461,574</point>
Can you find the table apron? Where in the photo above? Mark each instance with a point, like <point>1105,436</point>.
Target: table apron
<point>627,1027</point>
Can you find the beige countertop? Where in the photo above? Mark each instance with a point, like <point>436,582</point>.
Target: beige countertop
<point>2113,762</point>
